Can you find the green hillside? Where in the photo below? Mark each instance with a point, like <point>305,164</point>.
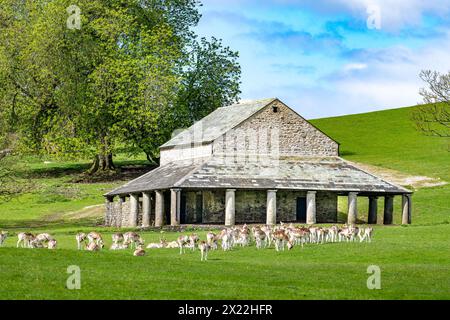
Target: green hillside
<point>389,139</point>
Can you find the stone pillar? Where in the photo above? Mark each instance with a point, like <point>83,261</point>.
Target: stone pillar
<point>352,208</point>
<point>109,214</point>
<point>230,207</point>
<point>120,222</point>
<point>134,210</point>
<point>175,205</point>
<point>388,209</point>
<point>146,209</point>
<point>311,207</point>
<point>271,214</point>
<point>373,210</point>
<point>159,208</point>
<point>406,206</point>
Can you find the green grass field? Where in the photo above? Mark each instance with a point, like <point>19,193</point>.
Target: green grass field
<point>414,260</point>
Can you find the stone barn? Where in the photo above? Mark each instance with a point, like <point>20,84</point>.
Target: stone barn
<point>252,162</point>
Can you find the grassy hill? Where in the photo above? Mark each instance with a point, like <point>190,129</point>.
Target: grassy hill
<point>413,259</point>
<point>389,139</point>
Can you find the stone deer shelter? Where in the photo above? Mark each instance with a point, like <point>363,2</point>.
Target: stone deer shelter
<point>252,162</point>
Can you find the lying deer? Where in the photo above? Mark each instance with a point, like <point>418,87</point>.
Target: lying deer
<point>133,238</point>
<point>139,252</point>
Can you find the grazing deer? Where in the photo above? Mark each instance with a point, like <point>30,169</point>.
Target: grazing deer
<point>280,238</point>
<point>211,239</point>
<point>193,239</point>
<point>52,244</point>
<point>81,239</point>
<point>367,235</point>
<point>92,246</point>
<point>182,242</point>
<point>227,239</point>
<point>117,237</point>
<point>139,252</point>
<point>268,231</point>
<point>3,236</point>
<point>133,238</point>
<point>204,248</point>
<point>260,237</point>
<point>299,236</point>
<point>95,237</point>
<point>25,239</point>
<point>41,240</point>
<point>333,234</point>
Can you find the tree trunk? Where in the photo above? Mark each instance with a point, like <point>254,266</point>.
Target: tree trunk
<point>95,165</point>
<point>102,163</point>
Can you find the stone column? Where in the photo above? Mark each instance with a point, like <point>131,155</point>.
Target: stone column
<point>406,206</point>
<point>230,207</point>
<point>109,214</point>
<point>146,209</point>
<point>134,210</point>
<point>159,208</point>
<point>271,215</point>
<point>388,209</point>
<point>175,205</point>
<point>373,209</point>
<point>352,208</point>
<point>311,207</point>
<point>122,200</point>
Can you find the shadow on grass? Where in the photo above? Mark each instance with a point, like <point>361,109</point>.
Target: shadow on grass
<point>77,172</point>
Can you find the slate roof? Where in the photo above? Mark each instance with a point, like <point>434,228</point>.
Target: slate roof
<point>290,173</point>
<point>218,123</point>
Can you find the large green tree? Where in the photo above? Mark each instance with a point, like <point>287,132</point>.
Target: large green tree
<point>123,76</point>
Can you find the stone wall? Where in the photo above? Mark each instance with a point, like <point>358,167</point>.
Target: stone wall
<point>250,207</point>
<point>282,133</point>
<point>186,152</point>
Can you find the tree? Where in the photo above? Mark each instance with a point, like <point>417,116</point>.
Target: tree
<point>123,79</point>
<point>433,118</point>
<point>211,80</point>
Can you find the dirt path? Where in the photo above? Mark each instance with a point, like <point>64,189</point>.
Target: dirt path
<point>401,178</point>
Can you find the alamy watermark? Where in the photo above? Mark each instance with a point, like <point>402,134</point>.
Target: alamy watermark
<point>73,282</point>
<point>374,280</point>
<point>374,18</point>
<point>74,20</point>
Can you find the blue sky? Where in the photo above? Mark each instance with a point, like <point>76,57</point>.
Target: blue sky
<point>322,57</point>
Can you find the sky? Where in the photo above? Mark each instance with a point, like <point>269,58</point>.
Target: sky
<point>333,57</point>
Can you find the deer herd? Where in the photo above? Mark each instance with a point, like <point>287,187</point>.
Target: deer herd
<point>281,236</point>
